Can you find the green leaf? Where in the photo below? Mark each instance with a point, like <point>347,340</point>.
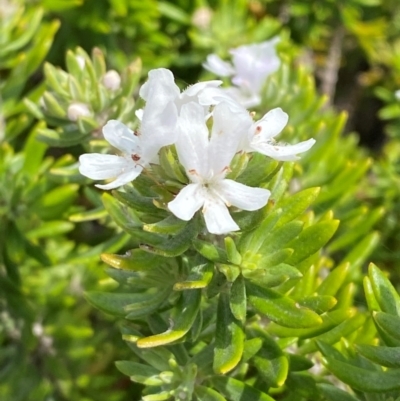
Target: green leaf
<point>318,303</point>
<point>186,313</point>
<point>311,240</point>
<point>170,225</point>
<point>360,378</point>
<point>229,338</point>
<point>329,321</point>
<point>209,251</point>
<point>333,393</point>
<point>280,308</point>
<point>334,335</point>
<point>177,244</point>
<point>232,252</point>
<point>271,363</point>
<point>385,293</point>
<point>140,373</point>
<point>53,204</point>
<point>237,299</point>
<point>135,259</point>
<point>272,276</point>
<point>127,304</point>
<point>236,390</point>
<point>62,139</point>
<point>199,277</point>
<point>389,324</point>
<point>207,394</point>
<point>384,356</point>
<point>334,280</point>
<point>296,204</point>
<point>131,197</point>
<point>279,237</point>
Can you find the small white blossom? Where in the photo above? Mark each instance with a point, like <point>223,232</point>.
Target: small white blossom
<point>111,80</point>
<point>138,150</point>
<point>76,110</point>
<point>123,168</point>
<point>261,138</point>
<point>397,94</point>
<point>206,162</point>
<point>252,64</point>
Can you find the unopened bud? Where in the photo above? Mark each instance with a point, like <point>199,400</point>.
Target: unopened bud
<point>112,80</point>
<point>202,17</point>
<point>76,110</point>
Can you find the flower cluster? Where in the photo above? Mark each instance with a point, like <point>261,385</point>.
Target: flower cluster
<point>172,117</point>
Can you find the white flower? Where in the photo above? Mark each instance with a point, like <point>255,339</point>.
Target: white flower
<point>76,110</point>
<point>397,94</point>
<point>252,64</point>
<point>123,168</point>
<point>206,162</point>
<point>138,150</point>
<point>261,138</point>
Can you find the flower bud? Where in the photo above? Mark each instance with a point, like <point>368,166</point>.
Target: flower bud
<point>76,110</point>
<point>112,80</point>
<point>201,18</point>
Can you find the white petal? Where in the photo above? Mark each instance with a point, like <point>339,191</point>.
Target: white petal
<point>139,114</point>
<point>158,129</point>
<point>194,90</point>
<point>217,217</point>
<point>189,200</point>
<point>214,96</point>
<point>160,114</point>
<point>242,196</point>
<point>253,63</point>
<point>219,67</point>
<point>270,125</point>
<point>282,152</point>
<point>229,129</point>
<point>192,143</point>
<point>160,87</point>
<point>104,167</point>
<point>101,167</point>
<point>123,179</point>
<point>121,137</point>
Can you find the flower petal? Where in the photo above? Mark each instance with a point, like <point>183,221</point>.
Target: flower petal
<point>102,167</point>
<point>158,129</point>
<point>122,179</point>
<point>160,87</point>
<point>229,129</point>
<point>194,90</point>
<point>189,200</point>
<point>219,67</point>
<point>270,125</point>
<point>192,143</point>
<point>253,63</point>
<point>282,152</point>
<point>217,217</point>
<point>242,196</point>
<point>121,137</point>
